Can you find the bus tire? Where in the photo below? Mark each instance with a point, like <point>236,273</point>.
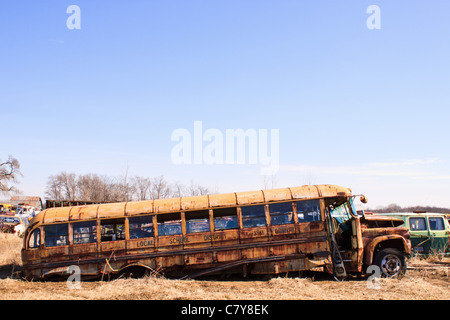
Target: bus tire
<point>392,263</point>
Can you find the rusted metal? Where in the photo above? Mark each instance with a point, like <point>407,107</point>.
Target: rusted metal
<point>296,245</point>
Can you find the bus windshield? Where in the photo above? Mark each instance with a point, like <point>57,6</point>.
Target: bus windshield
<point>342,212</point>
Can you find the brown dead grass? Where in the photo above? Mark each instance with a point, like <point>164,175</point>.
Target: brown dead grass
<point>418,284</point>
<point>10,246</point>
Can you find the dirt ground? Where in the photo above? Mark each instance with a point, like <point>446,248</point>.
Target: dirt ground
<point>424,280</point>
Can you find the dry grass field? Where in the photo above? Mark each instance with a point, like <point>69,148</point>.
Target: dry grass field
<point>424,281</point>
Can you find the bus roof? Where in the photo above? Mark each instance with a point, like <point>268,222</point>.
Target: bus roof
<point>119,209</point>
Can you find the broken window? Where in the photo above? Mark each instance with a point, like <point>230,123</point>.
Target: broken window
<point>141,227</point>
<point>84,232</point>
<point>253,216</point>
<point>169,224</point>
<point>281,213</point>
<point>56,235</point>
<point>225,218</point>
<point>197,221</point>
<point>113,230</point>
<point>35,239</point>
<point>308,210</point>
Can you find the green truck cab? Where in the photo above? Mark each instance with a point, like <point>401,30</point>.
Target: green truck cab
<point>430,232</point>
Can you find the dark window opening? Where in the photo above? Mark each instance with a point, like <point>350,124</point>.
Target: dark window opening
<point>417,224</point>
<point>253,216</point>
<point>169,224</point>
<point>225,218</point>
<point>113,230</point>
<point>197,221</point>
<point>141,227</point>
<point>436,224</point>
<point>308,210</point>
<point>84,232</point>
<point>35,239</point>
<point>56,235</point>
<point>281,213</point>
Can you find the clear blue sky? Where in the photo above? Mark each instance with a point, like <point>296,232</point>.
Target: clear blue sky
<point>366,109</point>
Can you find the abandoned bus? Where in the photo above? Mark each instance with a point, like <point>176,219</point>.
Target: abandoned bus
<point>260,232</point>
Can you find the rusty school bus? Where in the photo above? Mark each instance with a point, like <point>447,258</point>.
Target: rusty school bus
<point>259,232</point>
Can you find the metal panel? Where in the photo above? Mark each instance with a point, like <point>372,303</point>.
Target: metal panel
<point>304,192</point>
<point>332,191</point>
<point>222,200</point>
<point>277,195</point>
<point>139,207</point>
<point>166,205</point>
<point>111,210</point>
<point>57,215</point>
<point>194,203</point>
<point>84,212</point>
<point>249,197</point>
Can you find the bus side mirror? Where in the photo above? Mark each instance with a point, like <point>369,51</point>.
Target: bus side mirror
<point>363,199</point>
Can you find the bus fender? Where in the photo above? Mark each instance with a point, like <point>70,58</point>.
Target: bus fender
<point>370,248</point>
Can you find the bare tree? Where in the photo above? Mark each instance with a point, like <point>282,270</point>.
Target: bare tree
<point>9,171</point>
<point>159,188</point>
<point>141,187</point>
<point>69,185</point>
<point>92,187</point>
<point>86,188</point>
<point>178,190</point>
<point>127,188</point>
<point>54,189</point>
<point>197,190</point>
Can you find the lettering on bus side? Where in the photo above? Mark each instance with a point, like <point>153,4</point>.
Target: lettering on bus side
<point>178,240</point>
<point>283,229</point>
<point>209,237</point>
<point>254,233</point>
<point>145,243</point>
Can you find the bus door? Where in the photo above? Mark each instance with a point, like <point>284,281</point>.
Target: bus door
<point>347,234</point>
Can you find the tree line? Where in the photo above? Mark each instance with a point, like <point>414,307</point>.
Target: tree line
<point>396,208</point>
<point>96,188</point>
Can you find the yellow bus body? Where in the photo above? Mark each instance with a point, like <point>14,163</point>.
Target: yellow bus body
<point>246,232</point>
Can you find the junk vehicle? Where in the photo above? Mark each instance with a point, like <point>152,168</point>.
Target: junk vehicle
<point>429,232</point>
<point>7,209</point>
<point>258,232</point>
<point>13,224</point>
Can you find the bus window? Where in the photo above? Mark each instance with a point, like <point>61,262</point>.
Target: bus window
<point>253,216</point>
<point>308,211</point>
<point>417,224</point>
<point>56,235</point>
<point>436,223</point>
<point>141,227</point>
<point>113,230</point>
<point>84,232</point>
<point>197,221</point>
<point>225,218</point>
<point>281,213</point>
<point>169,224</point>
<point>35,239</point>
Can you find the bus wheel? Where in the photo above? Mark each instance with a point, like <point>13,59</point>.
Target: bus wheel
<point>391,262</point>
<point>134,272</point>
